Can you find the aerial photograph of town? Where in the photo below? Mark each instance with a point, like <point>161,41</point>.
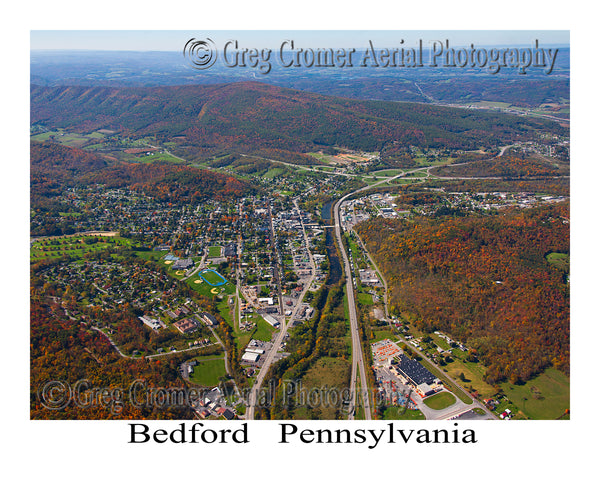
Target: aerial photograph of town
<point>296,225</point>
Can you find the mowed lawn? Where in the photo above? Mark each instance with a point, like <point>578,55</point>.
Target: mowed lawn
<point>439,401</point>
<point>264,331</point>
<point>75,246</point>
<point>208,371</point>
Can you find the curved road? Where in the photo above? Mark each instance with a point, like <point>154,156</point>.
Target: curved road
<point>358,364</point>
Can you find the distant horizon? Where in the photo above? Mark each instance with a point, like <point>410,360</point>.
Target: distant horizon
<point>173,41</point>
<point>562,45</point>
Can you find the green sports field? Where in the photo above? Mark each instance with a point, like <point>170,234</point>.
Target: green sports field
<point>208,371</point>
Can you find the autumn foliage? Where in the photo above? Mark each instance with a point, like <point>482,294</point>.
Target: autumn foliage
<point>485,280</point>
<point>205,121</point>
<point>62,350</point>
<point>54,167</point>
<point>506,166</point>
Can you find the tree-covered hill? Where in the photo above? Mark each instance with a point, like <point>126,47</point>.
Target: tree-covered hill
<point>273,122</point>
<point>485,280</point>
<point>54,167</point>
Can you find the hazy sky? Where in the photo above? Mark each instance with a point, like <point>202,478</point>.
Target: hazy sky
<point>170,40</point>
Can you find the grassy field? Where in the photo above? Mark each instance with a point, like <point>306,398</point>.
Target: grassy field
<point>473,374</point>
<point>69,139</point>
<point>439,401</point>
<point>560,260</point>
<point>214,251</point>
<point>423,161</point>
<point>42,137</point>
<point>325,169</point>
<point>75,246</point>
<point>369,179</point>
<point>440,342</point>
<point>404,181</point>
<point>387,173</point>
<point>207,290</point>
<point>151,255</point>
<point>263,331</point>
<point>274,172</point>
<point>365,298</point>
<point>155,157</point>
<point>330,376</point>
<point>545,397</point>
<point>383,333</point>
<point>399,413</point>
<point>94,142</point>
<point>226,311</point>
<point>211,277</point>
<point>488,104</point>
<point>417,174</point>
<point>208,371</point>
<point>322,157</point>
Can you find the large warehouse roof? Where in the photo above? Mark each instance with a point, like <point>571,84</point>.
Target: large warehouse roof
<point>416,372</point>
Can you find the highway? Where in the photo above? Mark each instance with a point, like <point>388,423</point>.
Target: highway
<point>358,363</point>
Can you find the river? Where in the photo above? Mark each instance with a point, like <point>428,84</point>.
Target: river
<point>335,267</point>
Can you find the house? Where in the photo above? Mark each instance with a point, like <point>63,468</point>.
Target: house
<point>203,412</point>
<point>506,414</point>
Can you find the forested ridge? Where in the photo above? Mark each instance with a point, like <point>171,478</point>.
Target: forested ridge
<point>63,353</point>
<point>485,280</point>
<point>269,121</point>
<point>54,167</point>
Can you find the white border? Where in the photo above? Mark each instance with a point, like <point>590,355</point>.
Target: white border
<point>99,449</point>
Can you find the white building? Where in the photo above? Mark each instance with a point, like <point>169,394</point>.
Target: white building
<point>270,320</point>
<point>250,357</point>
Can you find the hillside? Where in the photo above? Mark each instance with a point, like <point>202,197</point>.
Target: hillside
<point>54,167</point>
<point>62,348</point>
<point>485,280</point>
<point>279,123</point>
